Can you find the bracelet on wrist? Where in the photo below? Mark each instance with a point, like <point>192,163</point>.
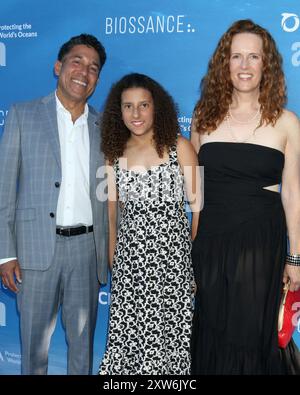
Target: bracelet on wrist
<point>293,259</point>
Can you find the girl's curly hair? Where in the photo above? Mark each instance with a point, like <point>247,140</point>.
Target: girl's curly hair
<point>114,132</point>
<point>217,88</point>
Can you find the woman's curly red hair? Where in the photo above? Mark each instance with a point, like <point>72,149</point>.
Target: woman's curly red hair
<point>216,86</point>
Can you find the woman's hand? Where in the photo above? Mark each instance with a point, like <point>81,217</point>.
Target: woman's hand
<point>292,273</point>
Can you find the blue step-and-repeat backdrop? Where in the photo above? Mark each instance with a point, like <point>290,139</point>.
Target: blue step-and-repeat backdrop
<point>170,40</point>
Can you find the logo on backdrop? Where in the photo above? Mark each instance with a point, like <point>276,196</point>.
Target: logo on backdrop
<point>2,54</point>
<point>296,316</point>
<point>290,22</point>
<point>3,115</point>
<point>185,124</point>
<point>296,56</point>
<point>148,24</point>
<point>104,298</point>
<point>2,314</point>
<point>22,30</point>
<point>10,357</point>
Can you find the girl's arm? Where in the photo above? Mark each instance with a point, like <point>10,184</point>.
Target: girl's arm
<point>195,137</point>
<point>112,212</point>
<point>188,161</point>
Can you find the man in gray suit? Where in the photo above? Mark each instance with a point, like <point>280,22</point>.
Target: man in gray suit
<point>53,228</point>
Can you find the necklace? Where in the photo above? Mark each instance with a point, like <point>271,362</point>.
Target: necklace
<point>252,133</point>
<point>243,122</point>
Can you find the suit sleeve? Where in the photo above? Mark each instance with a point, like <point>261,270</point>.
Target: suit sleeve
<point>9,171</point>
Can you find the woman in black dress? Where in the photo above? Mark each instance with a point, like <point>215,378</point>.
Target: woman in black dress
<point>248,145</point>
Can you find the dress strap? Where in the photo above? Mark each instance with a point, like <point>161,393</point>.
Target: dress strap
<point>173,154</point>
<point>116,166</point>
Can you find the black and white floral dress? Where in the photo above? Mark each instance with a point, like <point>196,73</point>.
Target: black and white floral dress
<point>151,303</point>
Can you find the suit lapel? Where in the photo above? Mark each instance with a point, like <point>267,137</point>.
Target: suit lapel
<point>50,125</point>
<point>51,131</point>
<point>94,134</point>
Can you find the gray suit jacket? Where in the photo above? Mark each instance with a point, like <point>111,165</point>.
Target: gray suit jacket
<point>29,169</point>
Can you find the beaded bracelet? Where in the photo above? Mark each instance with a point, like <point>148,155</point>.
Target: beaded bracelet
<point>293,259</point>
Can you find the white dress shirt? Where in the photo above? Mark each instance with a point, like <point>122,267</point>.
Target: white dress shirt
<point>74,203</point>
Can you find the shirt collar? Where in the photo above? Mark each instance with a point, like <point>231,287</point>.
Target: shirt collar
<point>64,112</point>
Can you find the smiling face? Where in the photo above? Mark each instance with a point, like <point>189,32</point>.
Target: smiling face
<point>138,111</point>
<point>78,74</point>
<point>246,62</point>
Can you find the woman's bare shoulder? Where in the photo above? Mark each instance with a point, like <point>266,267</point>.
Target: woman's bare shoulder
<point>288,117</point>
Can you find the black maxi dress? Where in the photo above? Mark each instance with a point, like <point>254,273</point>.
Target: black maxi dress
<point>238,260</point>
